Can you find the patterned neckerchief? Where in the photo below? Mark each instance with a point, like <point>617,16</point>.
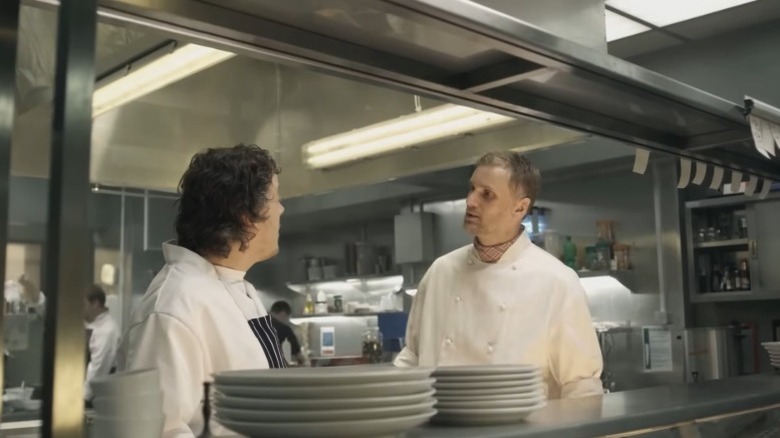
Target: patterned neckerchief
<point>492,254</point>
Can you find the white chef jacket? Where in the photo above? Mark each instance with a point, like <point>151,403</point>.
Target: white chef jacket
<point>103,345</point>
<point>197,319</point>
<point>528,308</point>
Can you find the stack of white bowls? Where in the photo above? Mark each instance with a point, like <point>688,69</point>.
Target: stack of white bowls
<point>337,402</point>
<point>128,405</point>
<point>773,349</point>
<point>487,395</point>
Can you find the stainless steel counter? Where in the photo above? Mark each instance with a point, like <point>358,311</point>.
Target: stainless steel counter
<point>623,413</point>
<point>629,411</point>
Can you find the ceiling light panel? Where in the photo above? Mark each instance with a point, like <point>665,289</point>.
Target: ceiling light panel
<point>665,12</point>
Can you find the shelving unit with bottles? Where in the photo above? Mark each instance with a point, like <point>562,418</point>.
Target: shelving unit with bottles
<point>728,239</point>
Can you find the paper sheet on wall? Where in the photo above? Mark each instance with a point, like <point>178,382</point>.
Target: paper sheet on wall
<point>701,173</point>
<point>765,189</point>
<point>717,178</point>
<point>657,346</point>
<point>641,157</point>
<point>759,140</point>
<point>736,179</point>
<point>750,190</point>
<point>685,173</point>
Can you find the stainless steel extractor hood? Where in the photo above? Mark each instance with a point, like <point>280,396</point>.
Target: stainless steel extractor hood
<point>466,53</point>
<point>444,50</point>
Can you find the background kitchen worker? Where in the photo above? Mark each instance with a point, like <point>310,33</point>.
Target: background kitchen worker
<point>281,311</point>
<point>501,299</point>
<point>104,335</point>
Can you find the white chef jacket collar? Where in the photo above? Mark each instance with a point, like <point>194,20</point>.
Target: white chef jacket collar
<point>175,254</point>
<point>522,242</point>
<point>99,319</point>
<point>230,274</point>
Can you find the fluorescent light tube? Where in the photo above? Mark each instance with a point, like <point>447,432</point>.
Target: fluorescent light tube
<point>165,70</point>
<point>665,12</point>
<point>413,129</point>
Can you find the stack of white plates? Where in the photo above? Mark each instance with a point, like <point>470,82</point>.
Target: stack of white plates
<point>487,395</point>
<point>343,402</point>
<point>128,405</point>
<point>773,348</point>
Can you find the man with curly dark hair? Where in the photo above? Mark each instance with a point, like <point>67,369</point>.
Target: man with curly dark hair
<point>199,316</point>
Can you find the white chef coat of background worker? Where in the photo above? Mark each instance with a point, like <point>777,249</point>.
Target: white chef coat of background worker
<point>503,300</point>
<point>103,341</point>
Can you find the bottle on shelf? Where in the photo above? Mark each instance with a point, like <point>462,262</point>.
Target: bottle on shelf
<point>744,275</point>
<point>716,280</point>
<point>308,308</point>
<point>727,281</point>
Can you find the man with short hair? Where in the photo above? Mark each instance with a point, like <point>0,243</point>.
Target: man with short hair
<point>103,338</point>
<point>501,299</point>
<point>200,316</point>
<point>281,311</point>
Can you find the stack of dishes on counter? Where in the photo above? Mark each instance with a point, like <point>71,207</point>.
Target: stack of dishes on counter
<point>128,405</point>
<point>487,395</point>
<point>338,402</point>
<point>773,349</point>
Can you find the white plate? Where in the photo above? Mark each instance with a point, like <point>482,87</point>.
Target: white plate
<point>517,384</point>
<point>329,392</point>
<point>489,398</point>
<point>325,376</point>
<point>775,344</point>
<point>324,415</point>
<point>478,370</point>
<point>484,417</point>
<point>330,429</point>
<point>489,378</point>
<point>327,403</point>
<point>444,405</point>
<point>487,392</point>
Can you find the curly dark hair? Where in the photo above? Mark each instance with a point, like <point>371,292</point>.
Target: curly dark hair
<point>220,192</point>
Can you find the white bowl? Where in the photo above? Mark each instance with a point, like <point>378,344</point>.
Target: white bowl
<point>32,405</point>
<point>20,393</point>
<point>146,405</point>
<point>113,427</point>
<point>130,382</point>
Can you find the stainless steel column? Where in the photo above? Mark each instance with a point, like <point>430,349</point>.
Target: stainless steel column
<point>9,37</point>
<point>68,239</point>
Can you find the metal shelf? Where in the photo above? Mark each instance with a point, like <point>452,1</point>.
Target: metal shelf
<point>722,244</point>
<point>357,280</point>
<point>345,315</point>
<point>742,295</point>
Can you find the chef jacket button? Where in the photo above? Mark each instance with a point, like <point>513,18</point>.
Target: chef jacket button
<point>458,299</point>
<point>471,262</point>
<point>514,268</point>
<point>449,341</point>
<point>502,307</point>
<point>490,348</point>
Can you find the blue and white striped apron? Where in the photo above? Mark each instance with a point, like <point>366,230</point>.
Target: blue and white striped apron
<point>262,327</point>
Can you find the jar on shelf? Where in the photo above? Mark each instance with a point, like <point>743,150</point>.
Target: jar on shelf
<point>372,345</point>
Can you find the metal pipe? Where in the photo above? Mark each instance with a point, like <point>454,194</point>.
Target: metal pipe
<point>68,239</point>
<point>9,36</point>
<point>659,238</point>
<point>121,280</point>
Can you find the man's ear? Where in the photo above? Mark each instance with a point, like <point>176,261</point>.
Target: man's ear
<point>522,206</point>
